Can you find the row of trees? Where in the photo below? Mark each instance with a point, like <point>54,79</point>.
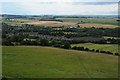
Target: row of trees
<point>41,42</point>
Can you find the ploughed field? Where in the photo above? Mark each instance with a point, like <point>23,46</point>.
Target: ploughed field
<point>48,62</point>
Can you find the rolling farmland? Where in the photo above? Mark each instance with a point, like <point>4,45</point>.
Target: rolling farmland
<point>59,39</point>
<point>40,47</point>
<point>48,62</point>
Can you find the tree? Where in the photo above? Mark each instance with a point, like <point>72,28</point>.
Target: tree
<point>86,49</point>
<point>108,52</point>
<point>67,45</point>
<point>80,48</point>
<point>78,26</point>
<point>102,51</point>
<point>44,42</point>
<point>57,45</point>
<point>93,50</point>
<point>97,50</point>
<point>117,54</point>
<point>17,38</point>
<point>6,42</point>
<point>74,47</point>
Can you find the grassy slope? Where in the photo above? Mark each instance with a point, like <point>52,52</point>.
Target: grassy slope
<point>111,21</point>
<point>107,47</point>
<point>36,62</point>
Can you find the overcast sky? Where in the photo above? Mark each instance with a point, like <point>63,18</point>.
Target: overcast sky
<point>59,7</point>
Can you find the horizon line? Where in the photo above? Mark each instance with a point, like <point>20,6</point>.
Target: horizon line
<point>57,14</point>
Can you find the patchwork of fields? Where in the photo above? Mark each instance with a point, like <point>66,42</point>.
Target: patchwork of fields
<point>40,62</point>
<point>83,22</point>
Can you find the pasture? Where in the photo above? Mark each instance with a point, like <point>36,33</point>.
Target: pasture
<point>48,62</point>
<point>106,47</point>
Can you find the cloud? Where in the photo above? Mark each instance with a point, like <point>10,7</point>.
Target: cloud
<point>93,3</point>
<point>12,8</point>
<point>69,9</point>
<point>59,0</point>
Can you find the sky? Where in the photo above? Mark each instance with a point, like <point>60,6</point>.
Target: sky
<point>59,7</point>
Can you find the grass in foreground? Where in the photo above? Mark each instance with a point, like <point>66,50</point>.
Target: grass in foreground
<point>47,62</point>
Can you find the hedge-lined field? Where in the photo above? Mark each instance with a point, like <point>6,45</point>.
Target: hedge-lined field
<point>48,62</point>
<point>106,47</point>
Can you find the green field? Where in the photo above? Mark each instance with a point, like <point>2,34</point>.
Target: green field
<point>48,62</point>
<point>111,21</point>
<point>106,47</point>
